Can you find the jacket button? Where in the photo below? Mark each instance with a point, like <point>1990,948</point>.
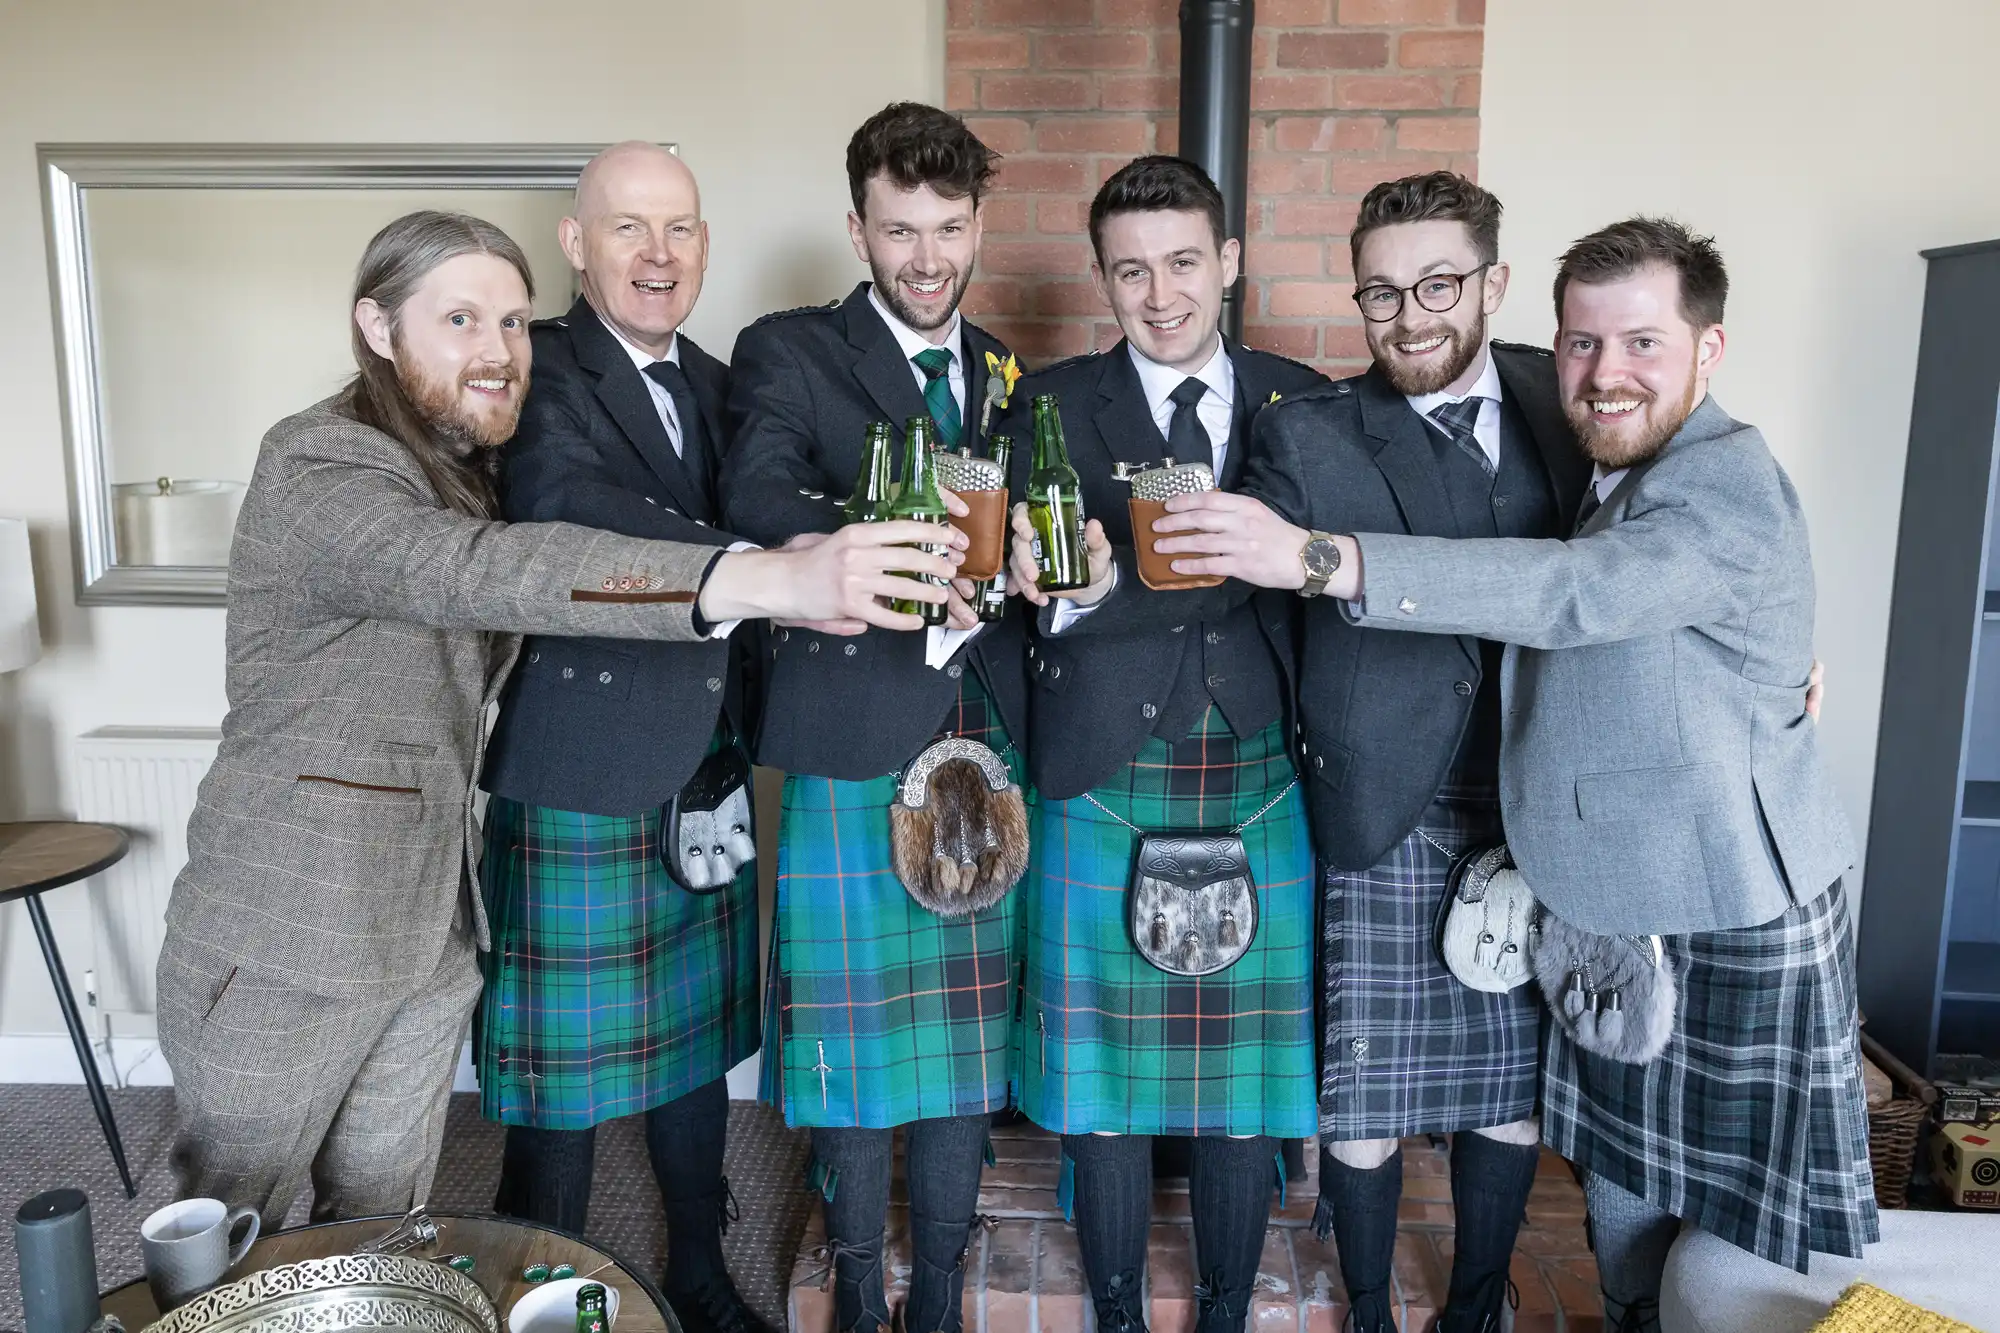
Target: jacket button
<point>784,636</point>
<point>1407,607</point>
<point>1319,761</point>
<point>1055,673</point>
<point>714,684</point>
<point>625,584</point>
<point>535,656</point>
<point>1462,688</point>
<point>1214,682</point>
<point>604,678</point>
<point>611,585</point>
<point>1212,637</point>
<point>1148,711</point>
<point>1031,650</point>
<point>850,650</point>
<point>569,673</point>
<point>651,501</point>
<point>1179,628</point>
<point>954,671</point>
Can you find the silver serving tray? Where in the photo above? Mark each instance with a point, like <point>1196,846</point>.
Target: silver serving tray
<point>344,1291</point>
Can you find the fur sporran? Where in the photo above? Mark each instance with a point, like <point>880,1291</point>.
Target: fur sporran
<point>1614,995</point>
<point>1192,907</point>
<point>705,836</point>
<point>1483,924</point>
<point>958,829</point>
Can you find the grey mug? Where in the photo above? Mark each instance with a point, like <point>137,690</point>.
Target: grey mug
<point>187,1249</point>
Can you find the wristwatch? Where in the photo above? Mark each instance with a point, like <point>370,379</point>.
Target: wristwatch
<point>1321,558</point>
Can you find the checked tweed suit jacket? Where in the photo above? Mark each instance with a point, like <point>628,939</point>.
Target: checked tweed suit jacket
<point>331,843</point>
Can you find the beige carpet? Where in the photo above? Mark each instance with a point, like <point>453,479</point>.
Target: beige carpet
<point>49,1139</point>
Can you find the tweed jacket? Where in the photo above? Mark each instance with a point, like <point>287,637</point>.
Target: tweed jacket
<point>1658,771</point>
<point>369,628</point>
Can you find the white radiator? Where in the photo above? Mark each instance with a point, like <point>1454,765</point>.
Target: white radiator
<point>142,779</point>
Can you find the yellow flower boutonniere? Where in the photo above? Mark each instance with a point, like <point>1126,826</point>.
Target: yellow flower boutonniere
<point>1275,396</point>
<point>1007,372</point>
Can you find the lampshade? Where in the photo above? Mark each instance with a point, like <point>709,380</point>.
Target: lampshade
<point>20,636</point>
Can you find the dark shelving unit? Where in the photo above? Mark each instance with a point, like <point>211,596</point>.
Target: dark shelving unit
<point>1929,949</point>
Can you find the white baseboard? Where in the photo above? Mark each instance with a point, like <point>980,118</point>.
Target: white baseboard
<point>136,1062</point>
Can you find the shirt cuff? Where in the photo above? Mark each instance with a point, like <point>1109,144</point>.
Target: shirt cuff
<point>1066,612</point>
<point>701,626</point>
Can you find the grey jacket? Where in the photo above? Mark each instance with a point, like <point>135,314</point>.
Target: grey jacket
<point>332,841</point>
<point>1658,771</point>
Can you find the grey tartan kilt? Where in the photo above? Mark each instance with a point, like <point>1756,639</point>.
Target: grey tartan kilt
<point>1407,1048</point>
<point>1752,1125</point>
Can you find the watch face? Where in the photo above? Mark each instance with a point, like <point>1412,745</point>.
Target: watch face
<point>1321,558</point>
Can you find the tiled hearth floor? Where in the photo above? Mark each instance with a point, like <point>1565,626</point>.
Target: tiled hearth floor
<point>1024,1275</point>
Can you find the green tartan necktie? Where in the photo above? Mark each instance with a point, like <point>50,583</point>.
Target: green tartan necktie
<point>935,362</point>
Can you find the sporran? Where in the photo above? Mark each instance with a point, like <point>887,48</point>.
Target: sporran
<point>705,830</point>
<point>958,828</point>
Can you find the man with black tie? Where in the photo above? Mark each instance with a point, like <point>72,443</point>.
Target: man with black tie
<point>1448,434</point>
<point>620,981</point>
<point>881,1012</point>
<point>1163,712</point>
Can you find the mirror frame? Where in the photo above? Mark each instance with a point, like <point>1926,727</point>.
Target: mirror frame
<point>68,170</point>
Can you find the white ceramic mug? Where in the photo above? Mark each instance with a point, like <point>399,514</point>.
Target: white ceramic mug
<point>187,1249</point>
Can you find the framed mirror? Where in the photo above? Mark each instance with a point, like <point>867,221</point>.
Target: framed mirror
<point>202,293</point>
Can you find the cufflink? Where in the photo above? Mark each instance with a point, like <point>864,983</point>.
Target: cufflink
<point>1407,607</point>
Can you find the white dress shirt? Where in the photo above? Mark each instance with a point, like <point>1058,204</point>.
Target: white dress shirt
<point>1486,429</point>
<point>663,402</point>
<point>1217,408</point>
<point>941,642</point>
<point>1216,411</point>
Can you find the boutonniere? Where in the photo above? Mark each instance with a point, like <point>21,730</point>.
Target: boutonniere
<point>1002,376</point>
<point>1275,396</point>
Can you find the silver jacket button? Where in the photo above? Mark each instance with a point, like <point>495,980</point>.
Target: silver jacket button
<point>1148,711</point>
<point>1407,607</point>
<point>714,683</point>
<point>604,678</point>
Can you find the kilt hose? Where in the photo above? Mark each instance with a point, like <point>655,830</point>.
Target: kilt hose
<point>1408,1047</point>
<point>1110,1043</point>
<point>878,1011</point>
<point>1752,1125</point>
<point>610,989</point>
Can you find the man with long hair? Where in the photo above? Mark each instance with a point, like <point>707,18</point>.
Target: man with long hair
<point>881,1012</point>
<point>318,967</point>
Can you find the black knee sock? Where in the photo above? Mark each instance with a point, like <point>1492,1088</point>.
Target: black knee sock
<point>946,1157</point>
<point>684,1139</point>
<point>1360,1206</point>
<point>1230,1183</point>
<point>1490,1181</point>
<point>854,1166</point>
<point>1112,1199</point>
<point>545,1176</point>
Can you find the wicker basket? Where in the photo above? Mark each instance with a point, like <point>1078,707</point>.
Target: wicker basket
<point>1895,1126</point>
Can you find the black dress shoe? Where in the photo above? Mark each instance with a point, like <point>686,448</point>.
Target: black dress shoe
<point>715,1306</point>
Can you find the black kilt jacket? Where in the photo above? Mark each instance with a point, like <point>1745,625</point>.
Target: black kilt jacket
<point>805,384</point>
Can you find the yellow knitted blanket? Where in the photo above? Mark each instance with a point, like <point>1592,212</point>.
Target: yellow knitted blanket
<point>1865,1309</point>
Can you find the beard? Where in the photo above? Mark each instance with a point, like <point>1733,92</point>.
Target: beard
<point>440,402</point>
<point>1614,446</point>
<point>1436,372</point>
<point>891,290</point>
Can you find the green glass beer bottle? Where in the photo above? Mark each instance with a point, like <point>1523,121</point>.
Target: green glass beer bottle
<point>590,1316</point>
<point>990,595</point>
<point>919,500</point>
<point>869,501</point>
<point>1055,505</point>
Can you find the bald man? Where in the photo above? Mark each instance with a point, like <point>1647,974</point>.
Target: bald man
<point>623,975</point>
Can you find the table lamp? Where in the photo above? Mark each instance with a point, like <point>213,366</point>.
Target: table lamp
<point>20,635</point>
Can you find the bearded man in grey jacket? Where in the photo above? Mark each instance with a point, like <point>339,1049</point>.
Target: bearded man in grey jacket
<point>1659,775</point>
<point>319,962</point>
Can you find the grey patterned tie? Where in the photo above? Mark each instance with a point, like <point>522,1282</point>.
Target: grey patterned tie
<point>1458,421</point>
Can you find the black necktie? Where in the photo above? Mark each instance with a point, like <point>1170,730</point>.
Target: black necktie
<point>1187,438</point>
<point>694,438</point>
<point>1592,502</point>
<point>1459,421</point>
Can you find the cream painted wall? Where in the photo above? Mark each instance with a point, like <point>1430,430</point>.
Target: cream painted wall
<point>1823,143</point>
<point>760,94</point>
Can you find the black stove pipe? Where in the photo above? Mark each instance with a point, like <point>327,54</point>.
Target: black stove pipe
<point>1215,113</point>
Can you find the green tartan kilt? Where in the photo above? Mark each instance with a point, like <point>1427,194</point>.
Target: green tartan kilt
<point>609,988</point>
<point>1108,1042</point>
<point>877,1011</point>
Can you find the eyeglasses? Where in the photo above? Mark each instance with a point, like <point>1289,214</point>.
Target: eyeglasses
<point>1435,292</point>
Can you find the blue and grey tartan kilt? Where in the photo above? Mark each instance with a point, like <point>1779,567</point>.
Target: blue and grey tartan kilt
<point>1407,1047</point>
<point>1752,1125</point>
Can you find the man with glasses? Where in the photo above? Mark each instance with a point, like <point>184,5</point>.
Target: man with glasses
<point>1448,434</point>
